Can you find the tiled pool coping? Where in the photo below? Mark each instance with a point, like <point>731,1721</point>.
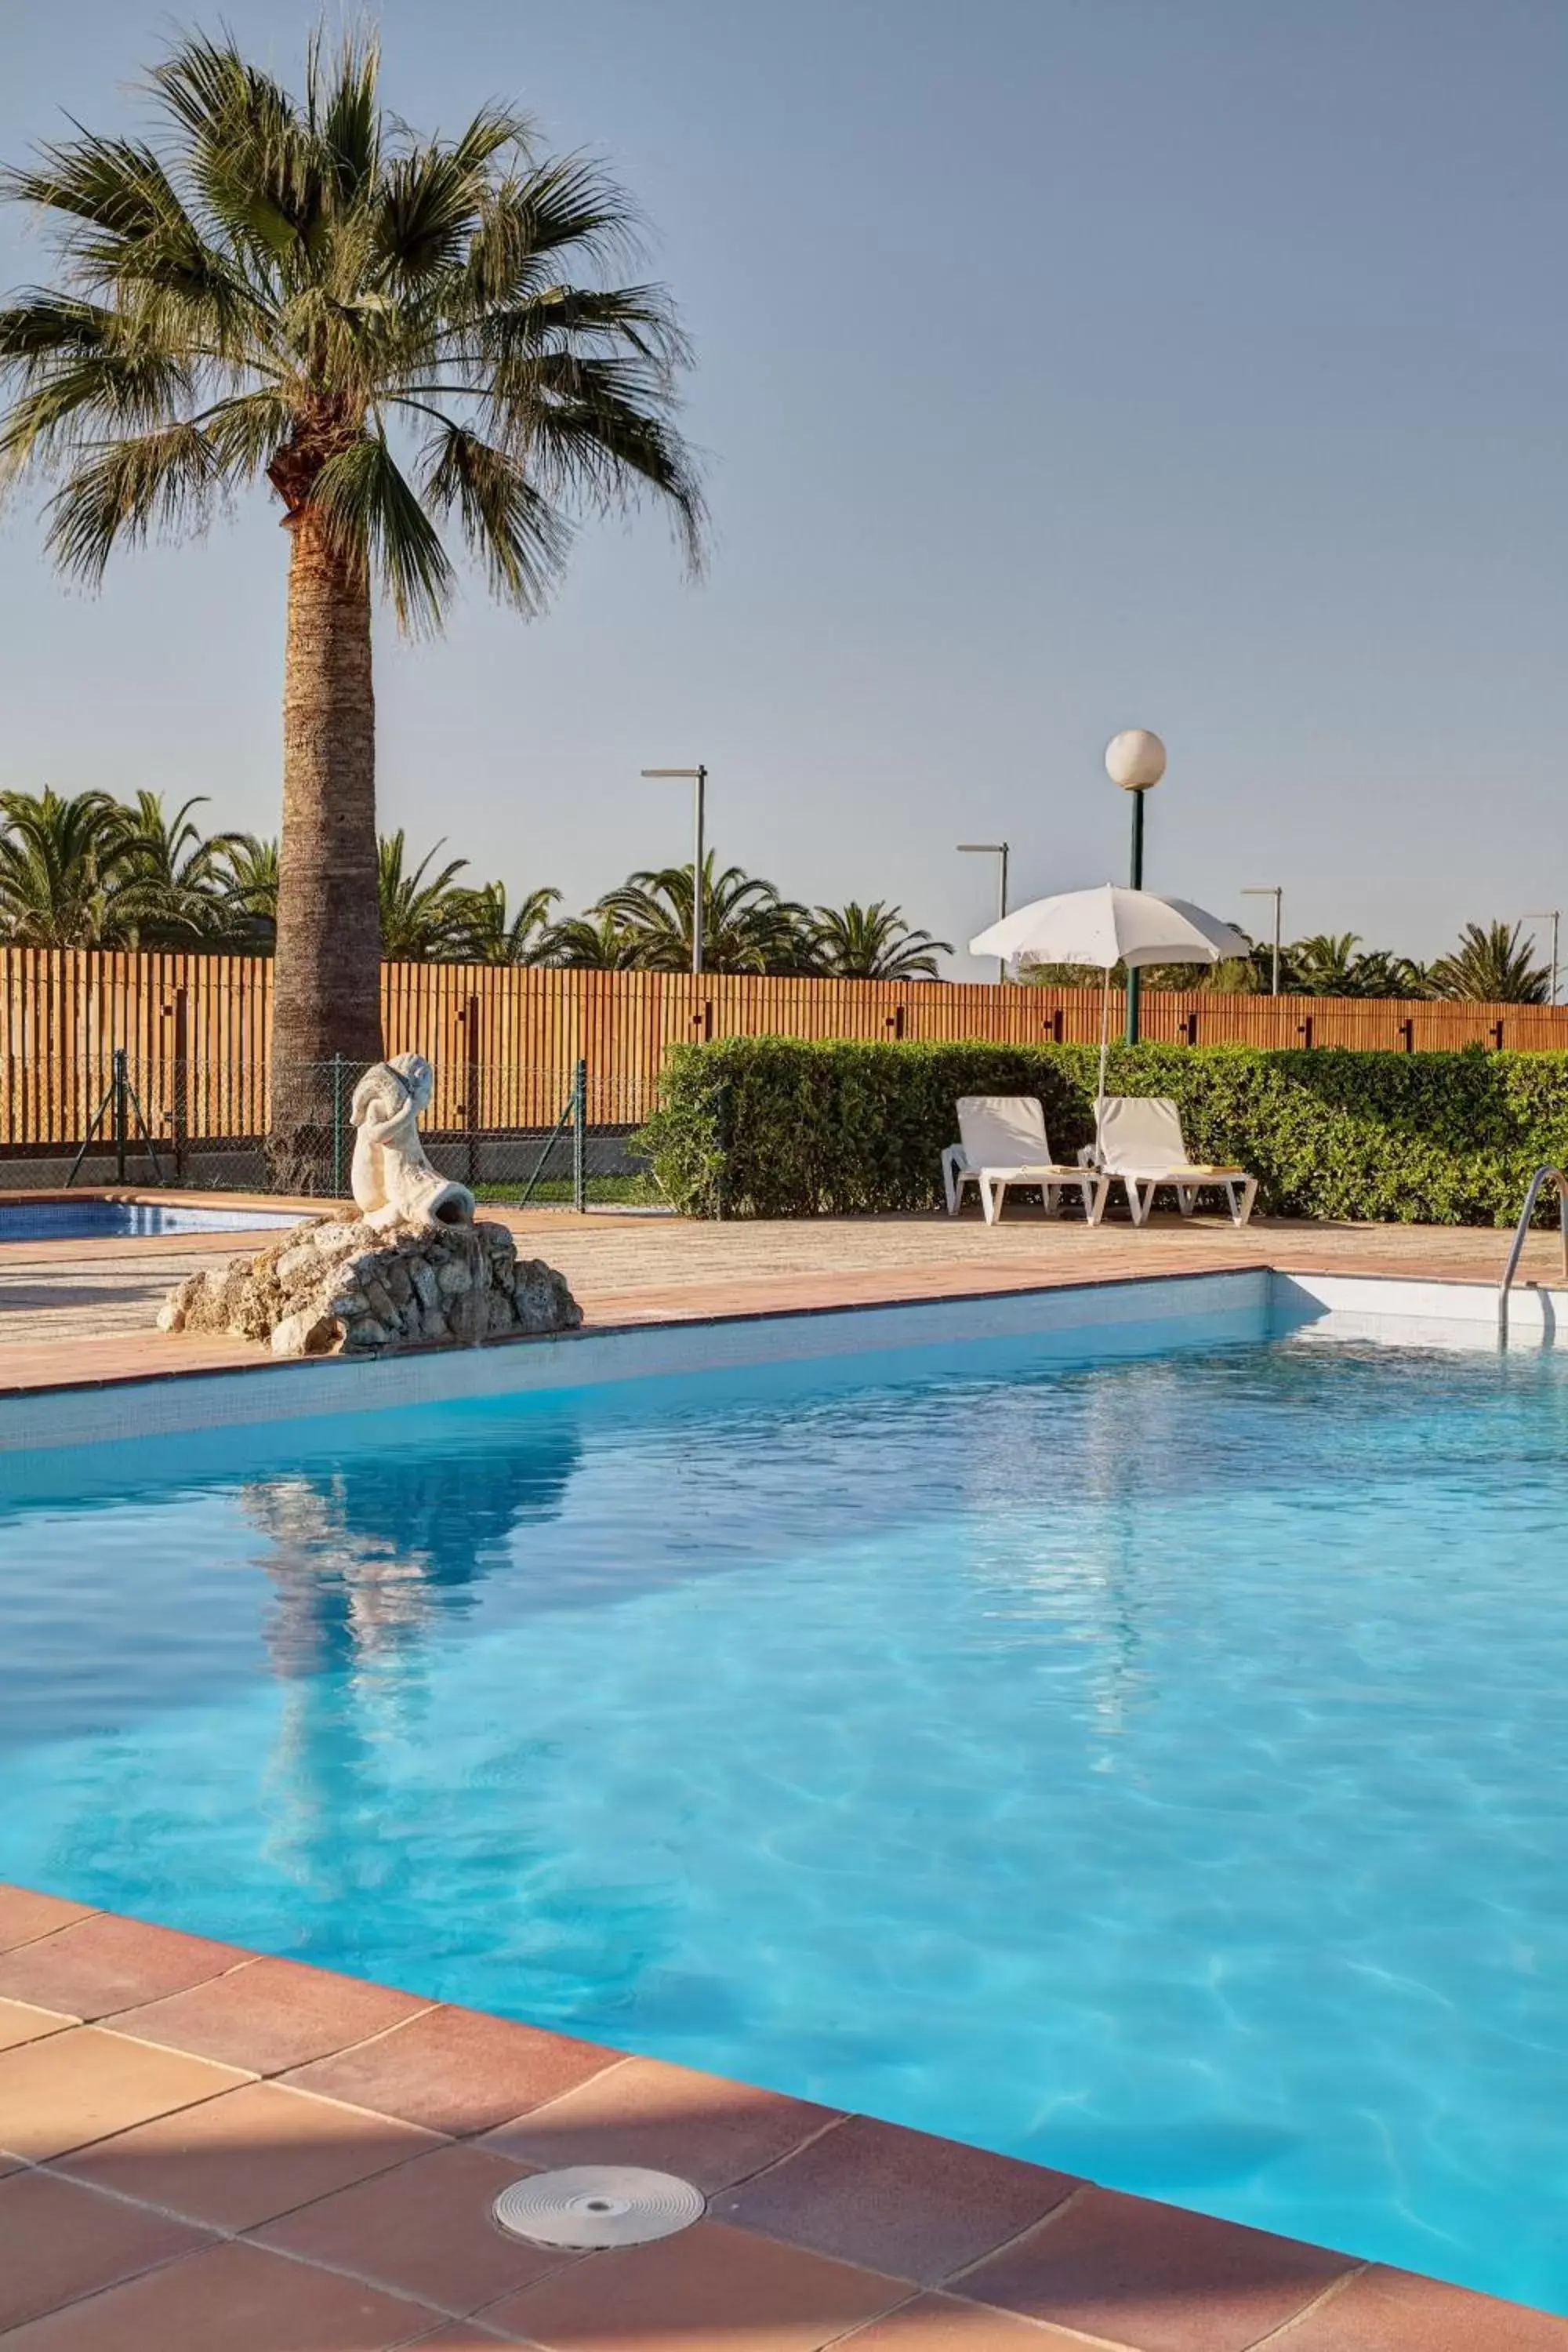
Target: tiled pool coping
<point>40,1413</point>
<point>206,2147</point>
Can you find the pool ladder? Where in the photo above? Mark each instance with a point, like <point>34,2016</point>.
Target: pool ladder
<point>1542,1176</point>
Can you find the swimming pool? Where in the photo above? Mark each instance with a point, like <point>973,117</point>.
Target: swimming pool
<point>1156,1767</point>
<point>90,1220</point>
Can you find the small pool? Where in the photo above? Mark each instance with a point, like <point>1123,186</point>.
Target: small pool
<point>1156,1768</point>
<point>90,1220</point>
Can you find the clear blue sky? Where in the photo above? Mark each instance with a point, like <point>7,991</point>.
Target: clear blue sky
<point>1065,365</point>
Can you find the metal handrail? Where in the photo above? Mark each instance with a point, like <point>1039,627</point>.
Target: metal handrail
<point>1542,1176</point>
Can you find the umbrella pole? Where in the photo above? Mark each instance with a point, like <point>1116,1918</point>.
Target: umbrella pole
<point>1104,1049</point>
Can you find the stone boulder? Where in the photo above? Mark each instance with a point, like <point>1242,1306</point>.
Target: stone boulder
<point>344,1286</point>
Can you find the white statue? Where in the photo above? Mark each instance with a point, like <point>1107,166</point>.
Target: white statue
<point>394,1183</point>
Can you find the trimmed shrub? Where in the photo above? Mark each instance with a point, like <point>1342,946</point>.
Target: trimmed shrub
<point>782,1127</point>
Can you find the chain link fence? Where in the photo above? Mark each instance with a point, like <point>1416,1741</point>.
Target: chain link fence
<point>516,1136</point>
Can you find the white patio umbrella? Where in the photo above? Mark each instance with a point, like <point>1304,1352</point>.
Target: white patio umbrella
<point>1108,927</point>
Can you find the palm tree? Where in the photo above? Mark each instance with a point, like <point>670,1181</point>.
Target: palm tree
<point>64,879</point>
<point>177,883</point>
<point>586,945</point>
<point>746,926</point>
<point>874,942</point>
<point>250,885</point>
<point>1380,972</point>
<point>421,921</point>
<point>396,333</point>
<point>1323,965</point>
<point>1491,963</point>
<point>490,931</point>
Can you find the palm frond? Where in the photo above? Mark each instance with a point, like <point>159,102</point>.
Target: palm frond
<point>81,375</point>
<point>427,213</point>
<point>566,206</point>
<point>516,533</point>
<point>341,110</point>
<point>377,519</point>
<point>163,481</point>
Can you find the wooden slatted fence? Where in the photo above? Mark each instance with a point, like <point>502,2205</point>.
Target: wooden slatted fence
<point>196,1029</point>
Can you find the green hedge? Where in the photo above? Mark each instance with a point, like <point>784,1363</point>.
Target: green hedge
<point>778,1126</point>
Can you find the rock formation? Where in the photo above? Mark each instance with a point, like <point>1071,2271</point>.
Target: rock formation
<point>362,1287</point>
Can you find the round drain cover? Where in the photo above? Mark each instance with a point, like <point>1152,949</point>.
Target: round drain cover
<point>599,2205</point>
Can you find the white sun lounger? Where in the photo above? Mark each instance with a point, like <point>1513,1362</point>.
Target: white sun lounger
<point>1004,1142</point>
<point>1140,1144</point>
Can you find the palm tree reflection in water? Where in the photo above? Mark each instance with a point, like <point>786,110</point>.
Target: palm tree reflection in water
<point>377,1564</point>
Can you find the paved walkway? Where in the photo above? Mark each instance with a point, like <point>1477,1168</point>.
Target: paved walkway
<point>74,1311</point>
<point>213,2152</point>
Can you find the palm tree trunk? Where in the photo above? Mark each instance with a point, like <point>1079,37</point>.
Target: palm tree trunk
<point>327,975</point>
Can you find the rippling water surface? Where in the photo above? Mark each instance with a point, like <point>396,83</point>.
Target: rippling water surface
<point>1158,1769</point>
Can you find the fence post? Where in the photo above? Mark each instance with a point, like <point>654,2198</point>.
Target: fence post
<point>120,1119</point>
<point>472,1086</point>
<point>337,1127</point>
<point>181,1103</point>
<point>578,1138</point>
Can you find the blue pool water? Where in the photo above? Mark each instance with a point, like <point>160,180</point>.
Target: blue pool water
<point>86,1220</point>
<point>1156,1768</point>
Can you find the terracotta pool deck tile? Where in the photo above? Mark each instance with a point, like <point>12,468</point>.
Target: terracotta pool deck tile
<point>424,2231</point>
<point>709,2130</point>
<point>271,2015</point>
<point>76,2087</point>
<point>899,2202</point>
<point>944,2323</point>
<point>1153,2277</point>
<point>248,2155</point>
<point>105,1964</point>
<point>231,2298</point>
<point>456,2071</point>
<point>21,2022</point>
<point>58,2243</point>
<point>714,2287</point>
<point>1392,2311</point>
<point>24,1915</point>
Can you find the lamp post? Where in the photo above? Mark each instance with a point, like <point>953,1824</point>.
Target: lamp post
<point>1136,761</point>
<point>698,778</point>
<point>1552,915</point>
<point>999,850</point>
<point>1275,891</point>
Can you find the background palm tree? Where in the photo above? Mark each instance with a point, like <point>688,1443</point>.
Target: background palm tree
<point>176,888</point>
<point>395,333</point>
<point>1323,965</point>
<point>874,942</point>
<point>1380,972</point>
<point>421,921</point>
<point>63,876</point>
<point>492,932</point>
<point>250,882</point>
<point>746,926</point>
<point>1493,962</point>
<point>587,945</point>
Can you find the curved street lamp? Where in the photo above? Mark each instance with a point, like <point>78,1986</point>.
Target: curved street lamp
<point>1135,759</point>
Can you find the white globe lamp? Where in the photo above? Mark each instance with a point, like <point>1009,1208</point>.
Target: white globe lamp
<point>1135,759</point>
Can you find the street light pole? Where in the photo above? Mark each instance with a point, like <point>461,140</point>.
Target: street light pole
<point>1271,891</point>
<point>1136,761</point>
<point>999,850</point>
<point>698,778</point>
<point>1552,915</point>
